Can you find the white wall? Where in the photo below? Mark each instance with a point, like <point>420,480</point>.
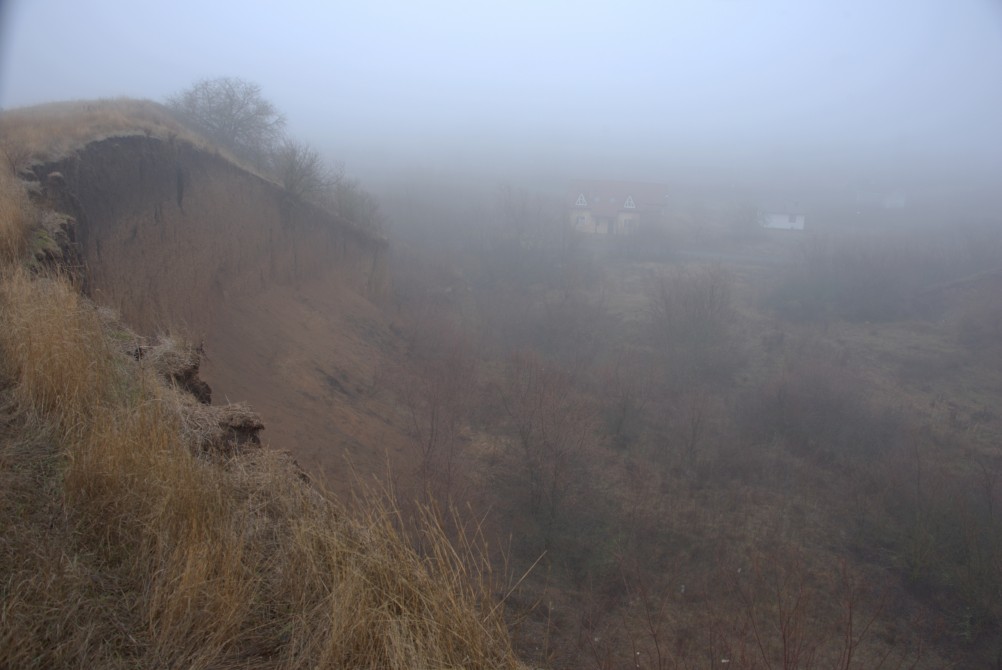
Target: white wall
<point>783,221</point>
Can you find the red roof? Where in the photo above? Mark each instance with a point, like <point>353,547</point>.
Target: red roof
<point>609,198</point>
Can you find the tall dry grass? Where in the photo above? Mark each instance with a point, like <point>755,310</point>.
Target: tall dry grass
<point>14,218</point>
<point>49,131</point>
<point>54,346</point>
<point>125,546</point>
<point>52,131</point>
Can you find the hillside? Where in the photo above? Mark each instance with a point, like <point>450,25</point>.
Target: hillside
<point>703,445</point>
<point>144,528</point>
<point>176,235</point>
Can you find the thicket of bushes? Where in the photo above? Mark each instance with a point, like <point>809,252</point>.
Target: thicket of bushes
<point>820,409</point>
<point>878,277</point>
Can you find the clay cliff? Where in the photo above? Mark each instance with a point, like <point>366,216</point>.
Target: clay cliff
<point>280,293</point>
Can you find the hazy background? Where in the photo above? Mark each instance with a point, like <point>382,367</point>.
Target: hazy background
<point>885,94</point>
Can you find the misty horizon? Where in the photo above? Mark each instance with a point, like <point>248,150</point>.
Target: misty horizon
<point>748,93</point>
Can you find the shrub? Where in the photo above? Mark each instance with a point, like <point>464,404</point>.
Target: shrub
<point>549,429</point>
<point>302,171</point>
<point>232,112</point>
<point>692,317</point>
<point>821,409</point>
<point>867,278</point>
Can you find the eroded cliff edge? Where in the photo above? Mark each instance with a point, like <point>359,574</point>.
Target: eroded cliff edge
<point>168,231</point>
<point>281,293</point>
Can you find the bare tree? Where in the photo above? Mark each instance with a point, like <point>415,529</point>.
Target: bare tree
<point>692,314</point>
<point>551,428</point>
<point>356,204</point>
<point>303,172</point>
<point>232,112</point>
<point>437,387</point>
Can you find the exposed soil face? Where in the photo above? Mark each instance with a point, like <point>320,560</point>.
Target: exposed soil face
<point>169,232</point>
<point>275,290</point>
<point>306,358</point>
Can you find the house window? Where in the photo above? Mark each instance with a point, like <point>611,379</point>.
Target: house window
<point>793,218</point>
<point>581,220</point>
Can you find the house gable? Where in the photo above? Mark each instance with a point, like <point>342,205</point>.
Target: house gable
<point>613,207</point>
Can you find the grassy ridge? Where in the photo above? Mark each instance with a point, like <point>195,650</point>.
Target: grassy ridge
<point>49,131</point>
<point>126,545</point>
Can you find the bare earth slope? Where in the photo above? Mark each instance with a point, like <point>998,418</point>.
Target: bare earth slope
<point>178,238</point>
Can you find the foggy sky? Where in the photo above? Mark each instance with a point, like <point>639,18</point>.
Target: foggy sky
<point>615,89</point>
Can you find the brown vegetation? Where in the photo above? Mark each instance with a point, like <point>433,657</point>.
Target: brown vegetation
<point>734,478</point>
<point>135,535</point>
<point>49,132</point>
<point>14,217</point>
<point>782,458</point>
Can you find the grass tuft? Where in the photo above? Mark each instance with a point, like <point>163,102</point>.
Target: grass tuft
<point>125,545</point>
<point>54,345</point>
<point>14,218</point>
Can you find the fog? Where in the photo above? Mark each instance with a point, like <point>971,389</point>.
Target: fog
<point>732,91</point>
<point>699,293</point>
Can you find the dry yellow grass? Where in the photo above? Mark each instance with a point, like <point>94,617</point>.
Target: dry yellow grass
<point>123,545</point>
<point>14,217</point>
<point>53,344</point>
<point>49,131</point>
<point>54,130</point>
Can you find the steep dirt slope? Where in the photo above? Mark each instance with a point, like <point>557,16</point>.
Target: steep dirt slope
<point>278,291</point>
<point>306,358</point>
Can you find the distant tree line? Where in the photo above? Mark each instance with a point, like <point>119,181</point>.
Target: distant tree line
<point>233,113</point>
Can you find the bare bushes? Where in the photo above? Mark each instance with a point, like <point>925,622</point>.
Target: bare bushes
<point>624,387</point>
<point>816,407</point>
<point>936,523</point>
<point>234,113</point>
<point>868,278</point>
<point>692,321</point>
<point>979,323</point>
<point>349,200</point>
<point>438,386</point>
<point>775,607</point>
<point>549,428</point>
<point>302,171</point>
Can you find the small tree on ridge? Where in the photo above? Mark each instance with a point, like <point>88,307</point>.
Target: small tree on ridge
<point>232,112</point>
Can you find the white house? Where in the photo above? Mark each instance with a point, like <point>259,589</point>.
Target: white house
<point>777,221</point>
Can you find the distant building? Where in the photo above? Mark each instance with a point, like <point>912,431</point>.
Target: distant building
<point>614,207</point>
<point>777,221</point>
